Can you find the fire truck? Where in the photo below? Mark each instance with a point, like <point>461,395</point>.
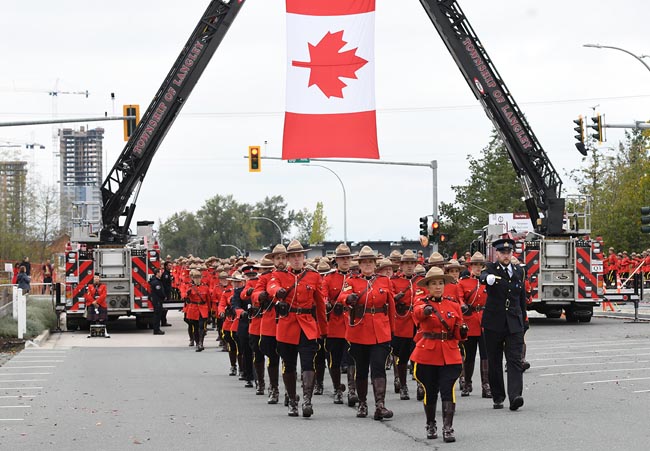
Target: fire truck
<point>565,265</point>
<point>124,260</point>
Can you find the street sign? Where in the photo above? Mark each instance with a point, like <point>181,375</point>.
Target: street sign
<point>299,160</point>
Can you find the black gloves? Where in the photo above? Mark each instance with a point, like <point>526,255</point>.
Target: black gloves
<point>249,291</point>
<point>428,310</point>
<point>398,296</point>
<point>352,299</point>
<point>281,293</point>
<point>465,309</point>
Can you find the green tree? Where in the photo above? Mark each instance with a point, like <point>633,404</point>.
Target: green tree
<point>491,187</point>
<point>319,228</point>
<point>181,234</point>
<point>303,220</point>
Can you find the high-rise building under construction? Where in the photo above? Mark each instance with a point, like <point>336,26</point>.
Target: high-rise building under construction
<point>81,175</point>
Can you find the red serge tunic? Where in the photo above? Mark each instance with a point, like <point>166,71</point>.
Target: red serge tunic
<point>375,310</point>
<point>404,325</point>
<point>254,322</point>
<point>267,324</point>
<point>305,293</point>
<point>436,351</point>
<point>332,286</point>
<point>198,298</point>
<point>96,293</point>
<point>229,324</point>
<point>474,295</point>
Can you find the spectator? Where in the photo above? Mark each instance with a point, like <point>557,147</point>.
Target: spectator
<point>23,280</point>
<point>27,265</point>
<point>48,273</point>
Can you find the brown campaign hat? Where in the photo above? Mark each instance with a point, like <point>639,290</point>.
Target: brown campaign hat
<point>366,253</point>
<point>419,270</point>
<point>323,267</point>
<point>195,273</point>
<point>453,264</point>
<point>265,263</point>
<point>477,258</point>
<point>436,259</point>
<point>435,273</point>
<point>395,255</point>
<point>296,248</point>
<point>277,250</point>
<point>408,256</point>
<point>342,250</point>
<point>237,277</point>
<point>386,263</point>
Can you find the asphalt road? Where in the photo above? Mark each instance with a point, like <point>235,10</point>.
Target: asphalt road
<point>588,389</point>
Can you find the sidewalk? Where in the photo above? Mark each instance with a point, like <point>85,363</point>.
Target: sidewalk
<point>625,310</point>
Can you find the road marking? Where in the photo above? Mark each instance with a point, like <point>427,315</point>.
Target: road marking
<point>21,388</point>
<point>641,391</point>
<point>38,361</point>
<point>12,419</point>
<point>15,407</point>
<point>17,396</point>
<point>592,363</point>
<point>618,380</point>
<point>587,357</point>
<point>23,367</point>
<point>23,374</point>
<point>594,371</point>
<point>23,380</point>
<point>591,345</point>
<point>596,352</point>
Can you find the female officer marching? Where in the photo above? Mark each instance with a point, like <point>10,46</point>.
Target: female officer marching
<point>437,357</point>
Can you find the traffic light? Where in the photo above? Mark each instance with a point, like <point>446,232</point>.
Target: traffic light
<point>130,124</point>
<point>435,230</point>
<point>424,226</point>
<point>254,159</point>
<point>443,238</point>
<point>597,124</point>
<point>580,130</point>
<point>645,219</point>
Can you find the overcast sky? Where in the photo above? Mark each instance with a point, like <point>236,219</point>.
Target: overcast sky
<point>426,111</point>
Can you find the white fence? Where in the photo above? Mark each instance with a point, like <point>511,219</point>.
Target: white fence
<point>19,308</point>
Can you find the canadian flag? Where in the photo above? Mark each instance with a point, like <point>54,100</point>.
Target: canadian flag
<point>330,80</point>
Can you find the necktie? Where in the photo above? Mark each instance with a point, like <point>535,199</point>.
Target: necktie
<point>510,270</point>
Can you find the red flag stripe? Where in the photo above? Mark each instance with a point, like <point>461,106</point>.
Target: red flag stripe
<point>330,7</point>
<point>351,135</point>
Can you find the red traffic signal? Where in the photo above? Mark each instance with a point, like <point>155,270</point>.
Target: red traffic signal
<point>435,226</point>
<point>443,237</point>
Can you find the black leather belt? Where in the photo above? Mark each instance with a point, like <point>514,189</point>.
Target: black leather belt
<point>436,336</point>
<point>362,310</point>
<point>303,311</point>
<point>196,303</point>
<point>476,308</point>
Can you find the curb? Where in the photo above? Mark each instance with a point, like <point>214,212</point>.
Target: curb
<point>38,341</point>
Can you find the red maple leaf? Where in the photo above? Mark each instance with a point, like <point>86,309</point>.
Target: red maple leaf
<point>328,65</point>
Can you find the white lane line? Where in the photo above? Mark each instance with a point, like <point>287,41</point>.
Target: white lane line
<point>598,351</point>
<point>618,380</point>
<point>17,396</point>
<point>594,371</point>
<point>588,357</point>
<point>21,388</point>
<point>24,367</point>
<point>592,363</point>
<point>641,391</point>
<point>15,407</point>
<point>590,345</point>
<point>23,374</point>
<point>12,419</point>
<point>22,380</point>
<point>38,361</point>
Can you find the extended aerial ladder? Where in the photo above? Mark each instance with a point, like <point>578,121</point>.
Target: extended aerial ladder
<point>122,185</point>
<point>540,181</point>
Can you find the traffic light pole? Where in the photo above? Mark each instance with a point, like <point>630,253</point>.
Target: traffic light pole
<point>639,125</point>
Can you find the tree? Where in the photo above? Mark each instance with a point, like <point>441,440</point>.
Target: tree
<point>273,208</point>
<point>319,228</point>
<point>46,216</point>
<point>304,222</point>
<point>492,187</point>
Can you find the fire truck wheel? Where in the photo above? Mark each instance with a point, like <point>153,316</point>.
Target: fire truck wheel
<point>570,316</point>
<point>71,325</point>
<point>141,323</point>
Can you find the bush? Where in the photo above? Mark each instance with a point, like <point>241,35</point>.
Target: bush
<point>40,316</point>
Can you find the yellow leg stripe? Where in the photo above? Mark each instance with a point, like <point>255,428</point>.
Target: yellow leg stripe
<point>453,393</point>
<point>424,388</point>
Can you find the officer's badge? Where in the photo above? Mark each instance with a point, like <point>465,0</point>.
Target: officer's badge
<point>347,288</point>
<point>419,292</point>
<point>449,315</point>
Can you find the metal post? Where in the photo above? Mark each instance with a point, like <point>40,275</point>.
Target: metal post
<point>434,171</point>
<point>345,201</point>
<point>239,252</point>
<point>598,46</point>
<point>22,314</point>
<point>274,223</point>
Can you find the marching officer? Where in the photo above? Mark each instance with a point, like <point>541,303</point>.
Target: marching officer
<point>197,309</point>
<point>167,281</point>
<point>473,296</point>
<point>157,295</point>
<point>371,314</point>
<point>504,322</point>
<point>437,357</point>
<point>335,343</point>
<point>255,319</point>
<point>301,321</point>
<point>266,304</point>
<point>404,286</point>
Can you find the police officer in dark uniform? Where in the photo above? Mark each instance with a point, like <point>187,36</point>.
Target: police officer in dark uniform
<point>157,296</point>
<point>166,280</point>
<point>504,322</point>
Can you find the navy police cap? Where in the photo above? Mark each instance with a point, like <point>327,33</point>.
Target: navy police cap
<point>504,244</point>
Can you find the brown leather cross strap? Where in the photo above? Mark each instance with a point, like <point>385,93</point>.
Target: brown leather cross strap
<point>439,316</point>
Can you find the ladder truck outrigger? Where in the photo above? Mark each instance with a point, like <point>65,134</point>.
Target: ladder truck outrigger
<point>563,263</point>
<point>125,261</point>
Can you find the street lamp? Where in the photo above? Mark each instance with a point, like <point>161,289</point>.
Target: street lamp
<point>345,201</point>
<point>639,58</point>
<point>239,252</point>
<point>274,223</point>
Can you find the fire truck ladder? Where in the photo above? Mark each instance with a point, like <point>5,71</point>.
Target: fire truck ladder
<point>123,182</point>
<point>540,181</point>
